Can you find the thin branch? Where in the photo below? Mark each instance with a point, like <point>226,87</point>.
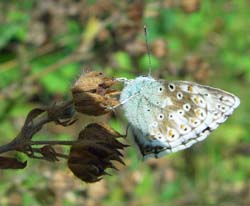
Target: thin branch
<point>53,142</point>
<point>7,148</point>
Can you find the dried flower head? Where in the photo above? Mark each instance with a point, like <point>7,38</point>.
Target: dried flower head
<point>93,95</point>
<point>95,151</point>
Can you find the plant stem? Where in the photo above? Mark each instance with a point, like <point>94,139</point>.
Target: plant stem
<point>58,142</point>
<point>6,148</point>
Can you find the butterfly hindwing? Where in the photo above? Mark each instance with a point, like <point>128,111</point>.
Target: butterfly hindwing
<point>170,116</point>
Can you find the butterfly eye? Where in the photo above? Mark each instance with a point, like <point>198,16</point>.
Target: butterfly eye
<point>171,87</point>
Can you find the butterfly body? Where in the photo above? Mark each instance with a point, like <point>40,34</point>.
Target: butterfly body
<point>166,117</point>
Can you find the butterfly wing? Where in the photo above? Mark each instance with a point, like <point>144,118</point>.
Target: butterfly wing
<point>172,116</point>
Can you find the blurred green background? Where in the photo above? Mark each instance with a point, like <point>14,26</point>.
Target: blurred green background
<point>45,46</point>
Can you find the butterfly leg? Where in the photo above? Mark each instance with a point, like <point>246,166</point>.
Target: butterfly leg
<point>126,134</point>
<point>121,103</point>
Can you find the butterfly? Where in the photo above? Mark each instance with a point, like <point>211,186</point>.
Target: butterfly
<point>167,117</point>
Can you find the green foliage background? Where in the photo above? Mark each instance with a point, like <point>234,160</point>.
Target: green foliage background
<point>45,46</point>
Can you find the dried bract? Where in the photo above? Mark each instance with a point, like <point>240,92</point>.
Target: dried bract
<point>61,113</point>
<point>95,151</point>
<point>93,95</point>
<point>11,163</point>
<point>49,153</point>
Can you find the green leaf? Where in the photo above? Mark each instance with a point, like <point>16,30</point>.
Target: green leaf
<point>146,186</point>
<point>144,63</point>
<point>61,80</point>
<point>9,76</point>
<point>170,191</point>
<point>28,198</point>
<point>70,71</point>
<point>55,84</point>
<point>20,110</point>
<point>123,60</point>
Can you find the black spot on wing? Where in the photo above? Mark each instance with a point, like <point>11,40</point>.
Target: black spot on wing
<point>206,129</point>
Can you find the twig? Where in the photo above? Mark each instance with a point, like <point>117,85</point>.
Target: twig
<point>34,123</point>
<point>53,142</point>
<point>7,148</point>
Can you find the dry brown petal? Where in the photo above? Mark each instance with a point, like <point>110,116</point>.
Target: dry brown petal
<point>93,104</point>
<point>11,163</point>
<point>87,173</point>
<point>91,81</point>
<point>98,131</point>
<point>85,164</point>
<point>102,132</point>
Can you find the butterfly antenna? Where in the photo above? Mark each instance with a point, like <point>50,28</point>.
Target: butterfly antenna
<point>148,51</point>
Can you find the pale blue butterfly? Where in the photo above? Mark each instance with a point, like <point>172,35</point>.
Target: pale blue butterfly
<point>166,117</point>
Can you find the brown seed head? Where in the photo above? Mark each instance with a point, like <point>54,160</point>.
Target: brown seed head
<point>95,151</point>
<point>93,95</point>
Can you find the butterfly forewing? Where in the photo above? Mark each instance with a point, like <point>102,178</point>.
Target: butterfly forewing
<point>170,116</point>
